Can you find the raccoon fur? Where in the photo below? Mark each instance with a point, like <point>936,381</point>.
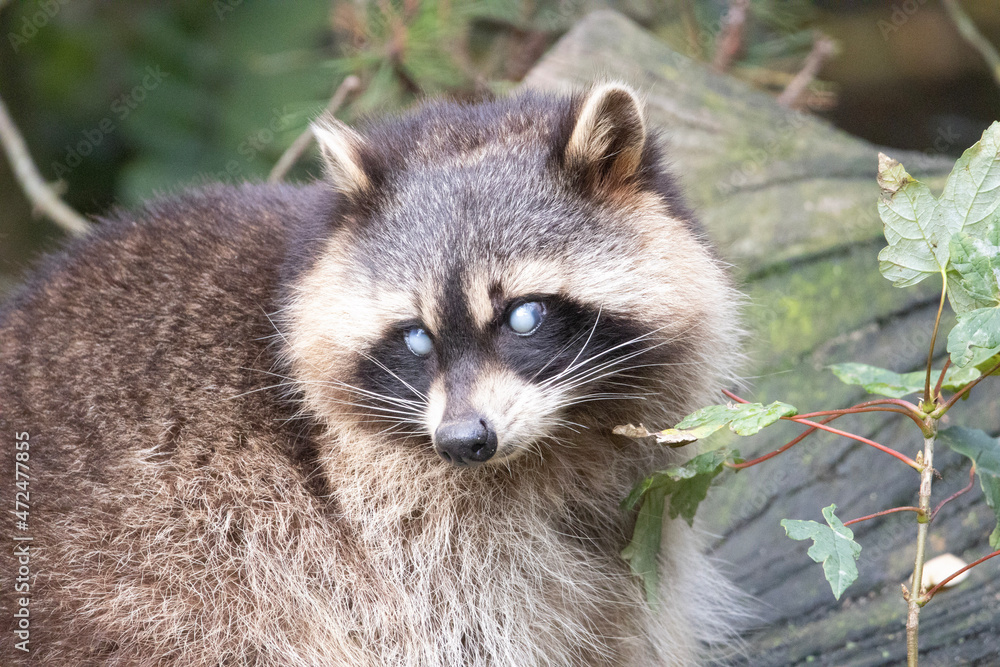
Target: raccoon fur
<point>367,421</point>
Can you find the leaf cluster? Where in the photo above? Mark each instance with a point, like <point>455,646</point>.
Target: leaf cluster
<point>955,236</point>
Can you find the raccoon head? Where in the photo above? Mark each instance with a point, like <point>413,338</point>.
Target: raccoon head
<point>501,277</point>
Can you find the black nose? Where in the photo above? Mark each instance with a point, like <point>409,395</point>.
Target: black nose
<point>464,443</point>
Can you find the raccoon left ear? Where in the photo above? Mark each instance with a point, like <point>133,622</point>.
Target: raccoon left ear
<point>609,135</point>
<point>341,148</point>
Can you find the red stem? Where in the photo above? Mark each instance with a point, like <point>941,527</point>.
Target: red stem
<point>951,401</point>
<point>932,592</point>
<point>883,513</point>
<point>779,450</point>
<point>882,448</point>
<point>937,387</point>
<point>857,410</point>
<point>734,396</point>
<point>822,425</point>
<point>972,480</point>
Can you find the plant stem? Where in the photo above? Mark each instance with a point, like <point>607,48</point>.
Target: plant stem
<point>882,448</point>
<point>303,141</point>
<point>966,489</point>
<point>788,445</point>
<point>937,414</point>
<point>932,592</point>
<point>882,513</point>
<point>940,382</point>
<point>41,195</point>
<point>853,411</point>
<point>914,601</point>
<point>930,353</point>
<point>975,38</point>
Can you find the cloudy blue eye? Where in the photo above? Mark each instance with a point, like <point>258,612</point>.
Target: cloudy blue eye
<point>418,341</point>
<point>526,318</point>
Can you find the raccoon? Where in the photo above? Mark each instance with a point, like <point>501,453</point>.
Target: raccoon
<point>368,420</point>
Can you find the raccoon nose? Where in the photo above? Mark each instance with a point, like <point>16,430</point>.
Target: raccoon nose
<point>465,443</point>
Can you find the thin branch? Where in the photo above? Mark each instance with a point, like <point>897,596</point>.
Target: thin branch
<point>791,443</point>
<point>883,513</point>
<point>856,411</point>
<point>940,382</point>
<point>937,414</point>
<point>822,426</point>
<point>932,592</point>
<point>823,48</point>
<point>734,396</point>
<point>966,489</point>
<point>930,353</point>
<point>304,140</point>
<point>42,197</point>
<point>871,443</point>
<point>975,38</point>
<point>913,603</point>
<point>730,41</point>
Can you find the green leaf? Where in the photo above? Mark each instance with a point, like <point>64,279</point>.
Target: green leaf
<point>974,288</point>
<point>687,485</point>
<point>975,337</point>
<point>988,365</point>
<point>919,228</point>
<point>918,237</point>
<point>984,452</point>
<point>833,546</point>
<point>884,382</point>
<point>643,552</point>
<point>742,419</point>
<point>974,274</point>
<point>970,196</point>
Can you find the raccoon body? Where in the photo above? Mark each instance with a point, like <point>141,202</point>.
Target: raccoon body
<point>368,421</point>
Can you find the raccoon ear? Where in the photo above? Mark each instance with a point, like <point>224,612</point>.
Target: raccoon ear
<point>341,148</point>
<point>609,135</point>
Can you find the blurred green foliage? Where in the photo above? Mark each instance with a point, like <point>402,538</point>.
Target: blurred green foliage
<point>121,102</point>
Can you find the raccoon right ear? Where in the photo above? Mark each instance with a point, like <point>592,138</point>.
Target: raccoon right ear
<point>341,148</point>
<point>609,135</point>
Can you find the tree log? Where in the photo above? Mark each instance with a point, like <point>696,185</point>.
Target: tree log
<point>791,203</point>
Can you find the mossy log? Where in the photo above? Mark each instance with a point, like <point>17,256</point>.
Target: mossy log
<point>791,203</point>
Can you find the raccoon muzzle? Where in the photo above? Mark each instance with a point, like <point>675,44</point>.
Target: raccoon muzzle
<point>466,442</point>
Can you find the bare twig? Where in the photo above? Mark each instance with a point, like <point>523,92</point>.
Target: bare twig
<point>823,48</point>
<point>302,142</point>
<point>42,197</point>
<point>730,41</point>
<point>975,38</point>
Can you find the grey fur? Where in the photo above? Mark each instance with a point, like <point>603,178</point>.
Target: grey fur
<point>214,480</point>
